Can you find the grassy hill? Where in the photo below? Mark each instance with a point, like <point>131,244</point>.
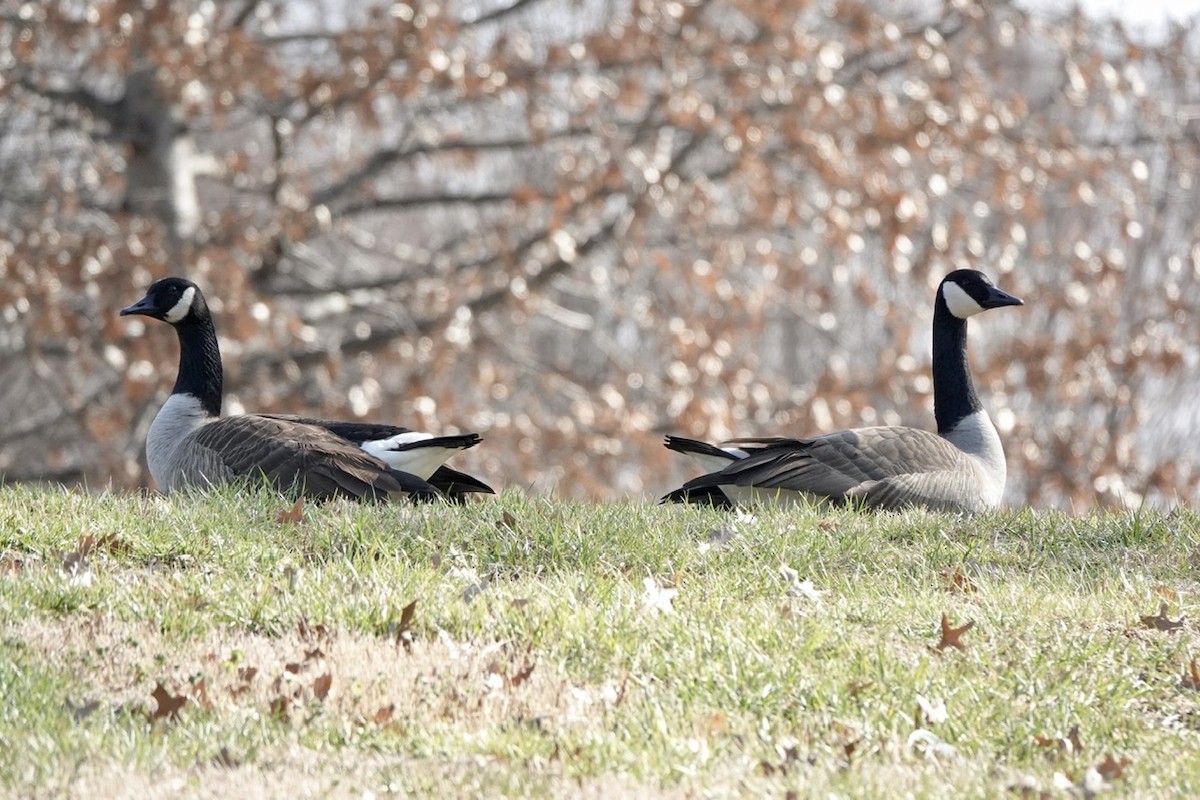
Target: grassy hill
<point>211,645</point>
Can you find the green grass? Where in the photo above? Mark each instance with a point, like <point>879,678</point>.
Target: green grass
<point>672,653</point>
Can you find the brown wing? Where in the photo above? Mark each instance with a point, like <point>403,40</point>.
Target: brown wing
<point>295,456</point>
<point>886,467</point>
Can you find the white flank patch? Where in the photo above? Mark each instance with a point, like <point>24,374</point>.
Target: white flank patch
<point>716,463</point>
<point>181,308</point>
<point>420,461</point>
<point>960,304</point>
<point>976,436</point>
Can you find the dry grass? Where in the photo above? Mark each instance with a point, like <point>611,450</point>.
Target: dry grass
<point>560,649</point>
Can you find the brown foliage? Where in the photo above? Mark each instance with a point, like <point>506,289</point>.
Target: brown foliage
<point>712,219</point>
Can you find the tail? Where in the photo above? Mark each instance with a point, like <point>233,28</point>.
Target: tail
<point>455,485</point>
<point>704,496</point>
<point>694,447</point>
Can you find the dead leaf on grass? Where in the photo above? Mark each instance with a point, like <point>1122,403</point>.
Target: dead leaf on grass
<point>801,588</point>
<point>11,563</point>
<point>1070,744</point>
<point>1112,769</point>
<point>474,590</point>
<point>952,636</point>
<point>930,711</point>
<point>74,565</point>
<point>656,599</point>
<point>1161,622</point>
<point>718,538</point>
<point>1191,676</point>
<point>312,633</point>
<point>958,582</point>
<point>321,685</point>
<point>404,634</point>
<point>1027,787</point>
<point>167,705</point>
<point>507,520</point>
<point>82,712</point>
<point>293,515</point>
<point>384,715</point>
<point>199,693</point>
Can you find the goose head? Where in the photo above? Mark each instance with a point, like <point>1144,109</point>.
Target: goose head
<point>173,300</point>
<point>966,292</point>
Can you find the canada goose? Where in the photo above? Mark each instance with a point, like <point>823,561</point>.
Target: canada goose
<point>190,444</point>
<point>960,468</point>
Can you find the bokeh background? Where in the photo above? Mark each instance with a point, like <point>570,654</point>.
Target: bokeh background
<point>576,225</point>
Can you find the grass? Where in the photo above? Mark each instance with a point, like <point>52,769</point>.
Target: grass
<point>564,649</point>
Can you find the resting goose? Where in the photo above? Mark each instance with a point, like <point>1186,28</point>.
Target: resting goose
<point>190,444</point>
<point>960,468</point>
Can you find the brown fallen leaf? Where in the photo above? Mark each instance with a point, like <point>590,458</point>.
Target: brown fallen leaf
<point>199,693</point>
<point>309,632</point>
<point>951,636</point>
<point>321,685</point>
<point>404,635</point>
<point>958,582</point>
<point>1161,622</point>
<point>522,674</point>
<point>1112,769</point>
<point>858,687</point>
<point>11,563</point>
<point>294,515</point>
<point>1191,676</point>
<point>1071,743</point>
<point>620,698</point>
<point>507,520</point>
<point>384,715</point>
<point>113,545</point>
<point>167,705</point>
<point>281,707</point>
<point>82,712</point>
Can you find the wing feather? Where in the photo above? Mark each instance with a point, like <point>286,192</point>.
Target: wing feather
<point>884,467</point>
<point>295,456</point>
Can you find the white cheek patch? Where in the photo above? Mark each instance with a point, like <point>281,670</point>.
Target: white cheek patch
<point>181,308</point>
<point>959,303</point>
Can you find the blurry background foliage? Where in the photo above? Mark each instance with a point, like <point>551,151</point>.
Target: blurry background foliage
<point>575,226</point>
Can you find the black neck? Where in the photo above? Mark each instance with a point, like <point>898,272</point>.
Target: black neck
<point>199,363</point>
<point>953,393</point>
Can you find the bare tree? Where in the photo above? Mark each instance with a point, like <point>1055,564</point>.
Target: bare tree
<point>578,227</point>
